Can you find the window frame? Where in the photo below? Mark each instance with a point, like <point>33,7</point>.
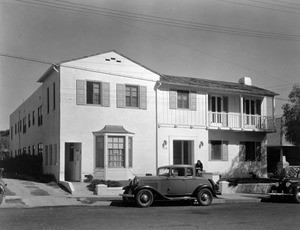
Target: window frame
<point>223,148</point>
<point>90,96</point>
<point>180,100</point>
<point>129,103</point>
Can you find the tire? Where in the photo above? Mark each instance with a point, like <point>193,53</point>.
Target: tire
<point>144,198</point>
<point>1,198</point>
<point>297,195</point>
<point>204,197</point>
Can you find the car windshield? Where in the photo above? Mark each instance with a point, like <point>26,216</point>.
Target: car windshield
<point>163,172</point>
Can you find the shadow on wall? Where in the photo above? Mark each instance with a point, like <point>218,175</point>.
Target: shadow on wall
<point>240,168</point>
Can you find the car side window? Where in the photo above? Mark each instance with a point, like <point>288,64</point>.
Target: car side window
<point>178,172</point>
<point>189,172</point>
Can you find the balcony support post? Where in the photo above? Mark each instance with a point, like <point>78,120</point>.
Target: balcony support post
<point>242,109</point>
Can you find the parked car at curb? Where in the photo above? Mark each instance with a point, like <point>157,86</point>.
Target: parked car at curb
<point>2,187</point>
<point>172,182</point>
<point>286,187</point>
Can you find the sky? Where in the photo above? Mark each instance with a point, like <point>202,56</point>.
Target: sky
<point>212,39</point>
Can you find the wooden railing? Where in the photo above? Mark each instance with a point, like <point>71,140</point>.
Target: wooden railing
<point>237,120</point>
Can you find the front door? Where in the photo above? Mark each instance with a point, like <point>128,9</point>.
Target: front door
<point>182,152</point>
<point>72,161</point>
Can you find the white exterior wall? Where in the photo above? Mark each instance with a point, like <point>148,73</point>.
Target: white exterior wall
<point>79,121</point>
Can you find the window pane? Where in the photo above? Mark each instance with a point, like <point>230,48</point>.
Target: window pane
<point>100,151</point>
<point>216,150</point>
<point>182,99</point>
<point>116,152</point>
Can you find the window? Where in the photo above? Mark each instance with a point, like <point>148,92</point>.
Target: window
<point>54,95</point>
<point>33,150</point>
<point>218,150</point>
<point>130,148</point>
<point>29,150</point>
<point>50,155</point>
<point>132,96</point>
<point>29,121</point>
<point>93,93</point>
<point>218,105</point>
<point>24,150</point>
<point>24,125</point>
<point>71,155</point>
<point>100,151</point>
<point>11,132</point>
<point>48,100</point>
<point>40,149</point>
<point>16,128</point>
<point>46,155</point>
<point>116,151</point>
<point>40,115</point>
<point>33,118</point>
<point>183,99</point>
<point>250,151</point>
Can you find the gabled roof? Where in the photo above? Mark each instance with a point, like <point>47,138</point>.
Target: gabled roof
<point>52,67</point>
<point>207,84</point>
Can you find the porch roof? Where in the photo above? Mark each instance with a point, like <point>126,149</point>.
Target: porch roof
<point>215,85</point>
<point>113,129</point>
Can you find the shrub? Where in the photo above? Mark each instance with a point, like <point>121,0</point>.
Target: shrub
<point>109,183</point>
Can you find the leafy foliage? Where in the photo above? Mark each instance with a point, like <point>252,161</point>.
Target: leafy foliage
<point>291,117</point>
<point>4,146</point>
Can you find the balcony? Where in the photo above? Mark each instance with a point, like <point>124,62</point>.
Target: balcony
<point>237,121</point>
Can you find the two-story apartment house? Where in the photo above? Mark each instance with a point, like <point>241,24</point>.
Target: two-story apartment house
<point>109,116</point>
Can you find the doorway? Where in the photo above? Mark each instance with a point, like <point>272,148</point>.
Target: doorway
<point>72,161</point>
<point>182,152</point>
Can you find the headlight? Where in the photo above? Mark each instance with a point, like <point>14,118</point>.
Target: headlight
<point>287,184</point>
<point>277,184</point>
<point>135,181</point>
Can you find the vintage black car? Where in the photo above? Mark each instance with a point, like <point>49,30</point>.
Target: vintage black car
<point>286,187</point>
<point>2,187</point>
<point>173,182</point>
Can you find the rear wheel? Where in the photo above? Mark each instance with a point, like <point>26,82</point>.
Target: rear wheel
<point>1,198</point>
<point>297,195</point>
<point>204,197</point>
<point>144,198</point>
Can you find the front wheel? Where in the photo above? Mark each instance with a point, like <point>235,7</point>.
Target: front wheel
<point>297,195</point>
<point>204,197</point>
<point>144,198</point>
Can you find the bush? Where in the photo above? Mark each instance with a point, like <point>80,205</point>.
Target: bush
<point>109,183</point>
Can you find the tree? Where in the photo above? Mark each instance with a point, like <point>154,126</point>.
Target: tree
<point>291,117</point>
<point>4,135</point>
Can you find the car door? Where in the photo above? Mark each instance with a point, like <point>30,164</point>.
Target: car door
<point>177,182</point>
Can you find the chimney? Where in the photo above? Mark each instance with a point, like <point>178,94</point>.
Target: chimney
<point>245,81</point>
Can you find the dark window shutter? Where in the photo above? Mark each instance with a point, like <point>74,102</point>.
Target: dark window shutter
<point>80,92</point>
<point>121,96</point>
<point>193,101</point>
<point>242,152</point>
<point>173,99</point>
<point>105,94</point>
<point>209,103</point>
<point>143,97</point>
<point>225,151</point>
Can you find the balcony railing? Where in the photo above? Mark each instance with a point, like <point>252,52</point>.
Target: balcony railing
<point>234,120</point>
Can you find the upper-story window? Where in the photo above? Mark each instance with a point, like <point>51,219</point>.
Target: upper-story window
<point>33,118</point>
<point>252,106</point>
<point>183,99</point>
<point>40,115</point>
<point>29,121</point>
<point>132,98</point>
<point>93,94</point>
<point>24,125</point>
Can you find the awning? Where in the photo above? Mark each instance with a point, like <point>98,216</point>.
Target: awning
<point>119,129</point>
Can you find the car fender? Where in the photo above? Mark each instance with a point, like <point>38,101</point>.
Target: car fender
<point>205,186</point>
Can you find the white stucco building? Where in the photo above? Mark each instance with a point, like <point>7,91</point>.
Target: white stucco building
<point>109,116</point>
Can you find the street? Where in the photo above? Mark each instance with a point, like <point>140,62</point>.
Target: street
<point>161,216</point>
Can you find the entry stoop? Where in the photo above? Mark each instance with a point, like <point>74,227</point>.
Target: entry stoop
<point>81,189</point>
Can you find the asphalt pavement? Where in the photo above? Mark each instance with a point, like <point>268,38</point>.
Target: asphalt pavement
<point>28,194</point>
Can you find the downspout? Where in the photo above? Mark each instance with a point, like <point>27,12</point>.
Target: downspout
<point>158,83</point>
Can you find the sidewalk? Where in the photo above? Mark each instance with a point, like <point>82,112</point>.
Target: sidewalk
<point>31,194</point>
